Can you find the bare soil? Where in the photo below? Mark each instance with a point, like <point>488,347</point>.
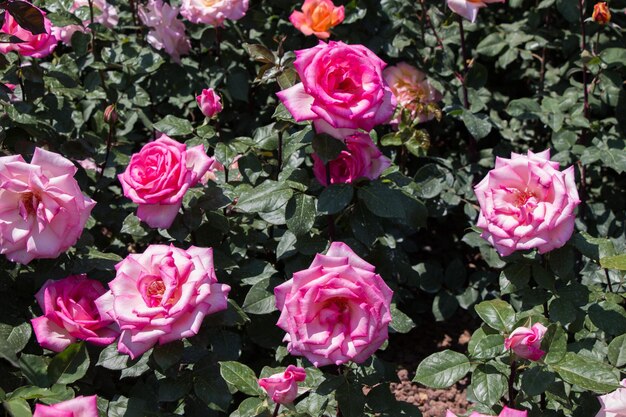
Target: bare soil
<point>409,349</point>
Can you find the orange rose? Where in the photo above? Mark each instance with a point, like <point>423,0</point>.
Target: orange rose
<point>601,13</point>
<point>317,18</point>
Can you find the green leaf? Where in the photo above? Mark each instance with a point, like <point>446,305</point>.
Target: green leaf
<point>488,347</point>
<point>554,343</point>
<point>240,377</point>
<point>110,358</point>
<point>569,10</point>
<point>617,351</point>
<point>13,340</point>
<point>587,373</point>
<point>300,214</point>
<point>169,354</point>
<point>498,314</point>
<point>536,380</point>
<point>400,322</point>
<point>442,369</point>
<point>614,56</point>
<point>491,45</point>
<point>327,148</point>
<point>70,365</point>
<point>174,126</point>
<point>382,200</point>
<point>351,400</point>
<point>259,53</point>
<point>27,16</point>
<point>488,385</point>
<point>477,125</point>
<point>609,317</point>
<point>614,262</point>
<point>335,198</point>
<point>260,299</point>
<point>268,196</point>
<point>17,407</point>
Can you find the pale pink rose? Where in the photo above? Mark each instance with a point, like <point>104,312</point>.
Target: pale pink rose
<point>166,31</point>
<point>526,202</point>
<point>158,177</point>
<point>317,17</point>
<point>42,209</point>
<point>283,387</point>
<point>209,102</point>
<point>412,91</point>
<point>104,13</point>
<point>526,343</point>
<point>69,313</point>
<point>37,46</point>
<point>342,89</point>
<point>78,407</point>
<point>361,159</point>
<point>469,8</point>
<point>213,12</point>
<point>337,310</point>
<point>613,404</point>
<point>162,295</point>
<point>506,412</point>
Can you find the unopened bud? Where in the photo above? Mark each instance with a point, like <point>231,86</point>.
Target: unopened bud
<point>110,114</point>
<point>601,13</point>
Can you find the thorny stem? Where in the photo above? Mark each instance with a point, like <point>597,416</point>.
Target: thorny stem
<point>276,410</point>
<point>90,11</point>
<point>280,152</point>
<point>581,8</point>
<point>465,68</point>
<point>512,392</point>
<point>608,279</point>
<point>106,156</point>
<point>430,24</point>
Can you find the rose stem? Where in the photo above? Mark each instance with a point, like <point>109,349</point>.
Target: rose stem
<point>331,219</point>
<point>465,69</point>
<point>133,11</point>
<point>276,410</point>
<point>512,392</point>
<point>430,24</point>
<point>581,8</point>
<point>218,41</point>
<point>106,156</point>
<point>608,279</point>
<point>90,12</point>
<point>280,152</point>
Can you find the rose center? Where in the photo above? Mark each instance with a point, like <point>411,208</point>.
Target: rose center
<point>211,3</point>
<point>28,204</point>
<point>522,197</point>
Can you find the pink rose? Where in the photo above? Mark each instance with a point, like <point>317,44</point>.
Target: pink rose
<point>361,159</point>
<point>317,17</point>
<point>69,313</point>
<point>217,166</point>
<point>337,310</point>
<point>526,202</point>
<point>469,8</point>
<point>412,91</point>
<point>209,102</point>
<point>213,12</point>
<point>526,343</point>
<point>506,412</point>
<point>37,46</point>
<point>78,407</point>
<point>42,210</point>
<point>613,404</point>
<point>166,31</point>
<point>342,89</point>
<point>162,295</point>
<point>283,387</point>
<point>159,175</point>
